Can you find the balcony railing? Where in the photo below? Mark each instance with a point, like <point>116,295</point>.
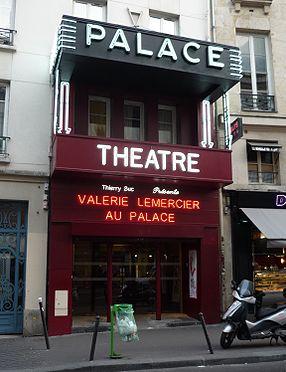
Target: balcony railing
<point>7,36</point>
<point>257,102</point>
<point>263,177</point>
<point>3,146</point>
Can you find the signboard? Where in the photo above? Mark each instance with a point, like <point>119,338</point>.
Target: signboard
<point>143,47</point>
<point>112,156</point>
<point>236,129</point>
<point>121,203</point>
<point>128,203</point>
<point>193,271</point>
<point>280,200</point>
<point>258,199</point>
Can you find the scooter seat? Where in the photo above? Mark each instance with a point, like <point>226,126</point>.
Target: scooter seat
<point>267,311</point>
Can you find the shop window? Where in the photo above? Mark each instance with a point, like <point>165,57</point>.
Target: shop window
<point>99,117</point>
<point>256,84</point>
<point>4,90</point>
<point>269,264</point>
<point>7,15</point>
<point>163,23</point>
<point>167,124</point>
<point>133,121</point>
<point>262,166</point>
<point>94,10</point>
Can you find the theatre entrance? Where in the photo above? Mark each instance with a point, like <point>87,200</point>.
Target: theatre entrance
<point>146,273</point>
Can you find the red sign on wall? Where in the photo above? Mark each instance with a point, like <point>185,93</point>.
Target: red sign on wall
<point>109,156</point>
<point>131,203</point>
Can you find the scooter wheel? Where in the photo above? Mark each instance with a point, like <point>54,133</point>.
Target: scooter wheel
<point>226,339</point>
<point>283,338</point>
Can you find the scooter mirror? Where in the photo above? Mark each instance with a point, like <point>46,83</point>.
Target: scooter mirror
<point>233,284</point>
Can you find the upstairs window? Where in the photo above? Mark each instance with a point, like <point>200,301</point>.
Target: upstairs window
<point>163,23</point>
<point>167,124</point>
<point>263,162</point>
<point>133,120</point>
<point>7,22</point>
<point>3,118</point>
<point>90,10</point>
<point>256,84</point>
<point>99,117</point>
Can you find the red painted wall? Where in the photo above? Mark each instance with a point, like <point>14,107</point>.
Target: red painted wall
<point>187,122</point>
<point>69,219</point>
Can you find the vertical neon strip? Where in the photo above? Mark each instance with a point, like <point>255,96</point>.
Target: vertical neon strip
<point>61,115</point>
<point>208,125</point>
<point>56,101</point>
<point>227,129</point>
<point>67,106</point>
<point>204,140</point>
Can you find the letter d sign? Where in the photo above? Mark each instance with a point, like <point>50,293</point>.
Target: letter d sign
<point>280,200</point>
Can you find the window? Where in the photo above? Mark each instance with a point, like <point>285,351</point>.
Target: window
<point>167,124</point>
<point>133,120</point>
<point>90,10</point>
<point>262,166</point>
<point>163,23</point>
<point>99,117</point>
<point>3,117</point>
<point>6,22</point>
<point>256,84</point>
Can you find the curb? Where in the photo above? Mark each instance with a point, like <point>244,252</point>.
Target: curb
<point>106,366</point>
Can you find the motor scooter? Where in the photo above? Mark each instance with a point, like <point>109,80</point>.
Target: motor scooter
<point>269,322</point>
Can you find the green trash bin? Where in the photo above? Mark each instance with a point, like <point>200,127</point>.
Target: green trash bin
<point>127,328</point>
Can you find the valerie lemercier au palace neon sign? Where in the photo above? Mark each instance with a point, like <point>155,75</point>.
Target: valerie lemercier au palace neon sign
<point>138,209</point>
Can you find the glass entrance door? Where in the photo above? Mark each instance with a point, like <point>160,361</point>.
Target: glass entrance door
<point>89,278</point>
<point>134,276</point>
<point>171,283</point>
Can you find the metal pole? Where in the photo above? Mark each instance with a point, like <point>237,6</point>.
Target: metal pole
<point>203,323</point>
<point>42,311</point>
<point>94,337</point>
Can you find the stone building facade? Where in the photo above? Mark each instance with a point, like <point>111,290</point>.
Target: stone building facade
<point>259,156</point>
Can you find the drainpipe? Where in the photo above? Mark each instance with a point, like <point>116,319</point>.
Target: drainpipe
<point>212,20</point>
<point>212,32</point>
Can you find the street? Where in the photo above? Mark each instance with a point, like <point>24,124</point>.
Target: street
<point>254,367</point>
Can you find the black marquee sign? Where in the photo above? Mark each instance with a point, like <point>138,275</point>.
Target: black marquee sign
<point>209,64</point>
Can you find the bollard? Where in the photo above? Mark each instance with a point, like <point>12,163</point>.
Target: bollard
<point>42,311</point>
<point>203,323</point>
<point>94,337</point>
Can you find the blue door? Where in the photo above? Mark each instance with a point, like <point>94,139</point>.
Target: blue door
<point>13,239</point>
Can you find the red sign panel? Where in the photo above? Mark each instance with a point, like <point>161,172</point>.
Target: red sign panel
<point>132,204</point>
<point>109,156</point>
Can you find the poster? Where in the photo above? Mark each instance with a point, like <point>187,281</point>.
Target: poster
<point>193,273</point>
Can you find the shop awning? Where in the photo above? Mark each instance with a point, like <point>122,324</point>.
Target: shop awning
<point>271,222</point>
<point>264,146</point>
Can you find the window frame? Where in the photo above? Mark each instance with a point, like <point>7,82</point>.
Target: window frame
<point>6,109</point>
<point>12,16</point>
<point>253,74</point>
<point>89,4</point>
<point>107,102</point>
<point>259,164</point>
<point>142,124</point>
<point>174,122</point>
<point>165,17</point>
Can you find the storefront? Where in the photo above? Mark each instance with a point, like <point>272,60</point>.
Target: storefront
<point>259,239</point>
<point>135,176</point>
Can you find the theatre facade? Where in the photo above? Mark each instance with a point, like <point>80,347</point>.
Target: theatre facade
<point>135,173</point>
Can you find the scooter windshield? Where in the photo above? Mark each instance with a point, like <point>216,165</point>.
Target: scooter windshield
<point>245,288</point>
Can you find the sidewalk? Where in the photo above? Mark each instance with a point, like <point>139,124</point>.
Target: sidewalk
<point>157,348</point>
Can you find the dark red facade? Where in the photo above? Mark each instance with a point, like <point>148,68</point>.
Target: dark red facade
<point>151,192</point>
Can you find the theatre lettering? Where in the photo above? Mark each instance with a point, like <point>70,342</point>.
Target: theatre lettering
<point>159,159</point>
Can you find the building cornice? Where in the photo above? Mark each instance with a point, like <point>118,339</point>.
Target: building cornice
<point>265,4</point>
